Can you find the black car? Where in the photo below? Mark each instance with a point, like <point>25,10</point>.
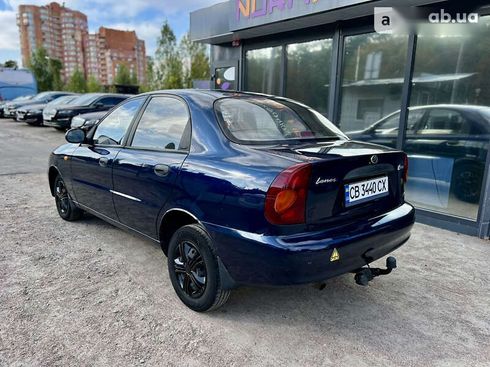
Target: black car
<point>33,114</point>
<point>457,133</point>
<point>10,108</point>
<point>60,117</point>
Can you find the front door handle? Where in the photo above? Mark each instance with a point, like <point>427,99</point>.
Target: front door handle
<point>103,161</point>
<point>161,170</point>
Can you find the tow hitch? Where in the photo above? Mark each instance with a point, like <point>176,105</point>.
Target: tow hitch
<point>365,275</point>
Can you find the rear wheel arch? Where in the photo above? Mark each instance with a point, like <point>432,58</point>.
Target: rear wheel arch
<point>172,220</point>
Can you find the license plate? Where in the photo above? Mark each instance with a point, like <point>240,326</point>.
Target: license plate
<point>360,192</point>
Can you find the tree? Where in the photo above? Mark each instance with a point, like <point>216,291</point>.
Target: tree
<point>39,65</point>
<point>168,65</point>
<point>93,85</point>
<point>54,68</point>
<point>196,61</point>
<point>123,77</point>
<point>77,82</point>
<point>150,83</point>
<point>134,79</point>
<point>10,64</point>
<point>46,70</point>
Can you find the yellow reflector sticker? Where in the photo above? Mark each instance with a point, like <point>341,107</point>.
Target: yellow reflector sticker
<point>335,255</point>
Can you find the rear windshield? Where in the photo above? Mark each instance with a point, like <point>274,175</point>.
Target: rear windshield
<point>260,120</point>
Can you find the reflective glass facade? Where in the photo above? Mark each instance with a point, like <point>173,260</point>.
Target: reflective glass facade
<point>427,92</point>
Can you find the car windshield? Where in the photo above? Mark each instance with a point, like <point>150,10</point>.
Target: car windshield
<point>63,100</point>
<point>85,100</point>
<point>260,120</point>
<point>40,96</point>
<point>22,98</point>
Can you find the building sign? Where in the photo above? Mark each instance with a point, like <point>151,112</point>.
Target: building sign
<point>253,13</point>
<point>260,8</point>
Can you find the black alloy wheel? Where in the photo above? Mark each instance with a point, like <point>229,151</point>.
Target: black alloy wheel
<point>190,269</point>
<point>194,271</point>
<point>66,208</point>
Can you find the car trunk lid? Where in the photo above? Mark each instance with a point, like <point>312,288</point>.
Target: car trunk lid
<point>339,163</point>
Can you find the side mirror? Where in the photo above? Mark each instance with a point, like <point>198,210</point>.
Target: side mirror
<point>99,105</point>
<point>75,136</point>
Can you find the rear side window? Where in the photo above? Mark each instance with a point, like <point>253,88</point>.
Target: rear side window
<point>258,120</point>
<point>164,125</point>
<point>113,129</point>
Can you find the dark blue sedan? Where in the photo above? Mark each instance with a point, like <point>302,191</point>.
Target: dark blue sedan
<point>238,188</point>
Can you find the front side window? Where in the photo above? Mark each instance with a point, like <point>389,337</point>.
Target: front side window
<point>446,122</point>
<point>163,125</point>
<point>113,129</point>
<point>263,120</point>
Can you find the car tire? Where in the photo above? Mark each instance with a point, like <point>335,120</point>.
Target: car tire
<point>467,181</point>
<point>193,269</point>
<point>65,206</point>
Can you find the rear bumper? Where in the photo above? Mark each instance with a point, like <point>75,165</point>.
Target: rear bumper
<point>253,259</point>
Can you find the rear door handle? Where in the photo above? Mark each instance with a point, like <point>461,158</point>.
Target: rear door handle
<point>161,170</point>
<point>103,161</point>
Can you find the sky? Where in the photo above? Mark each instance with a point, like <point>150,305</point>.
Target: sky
<point>143,16</point>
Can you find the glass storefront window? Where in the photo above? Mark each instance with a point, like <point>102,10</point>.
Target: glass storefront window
<point>372,80</point>
<point>264,70</point>
<point>308,73</point>
<point>447,145</point>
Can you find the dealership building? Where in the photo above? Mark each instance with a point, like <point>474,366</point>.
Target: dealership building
<point>424,90</point>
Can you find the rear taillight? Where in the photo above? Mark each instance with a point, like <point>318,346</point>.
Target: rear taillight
<point>405,168</point>
<point>285,202</point>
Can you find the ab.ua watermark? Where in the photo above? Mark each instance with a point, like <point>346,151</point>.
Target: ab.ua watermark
<point>389,20</point>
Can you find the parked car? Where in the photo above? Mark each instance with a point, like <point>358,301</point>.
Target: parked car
<point>87,120</point>
<point>41,98</point>
<point>16,83</point>
<point>238,189</point>
<point>33,114</point>
<point>18,99</point>
<point>458,133</point>
<point>60,117</point>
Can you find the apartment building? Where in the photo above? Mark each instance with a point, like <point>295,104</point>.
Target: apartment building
<point>109,49</point>
<point>64,34</point>
<point>61,31</point>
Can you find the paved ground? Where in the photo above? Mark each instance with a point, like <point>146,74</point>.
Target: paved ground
<point>86,293</point>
